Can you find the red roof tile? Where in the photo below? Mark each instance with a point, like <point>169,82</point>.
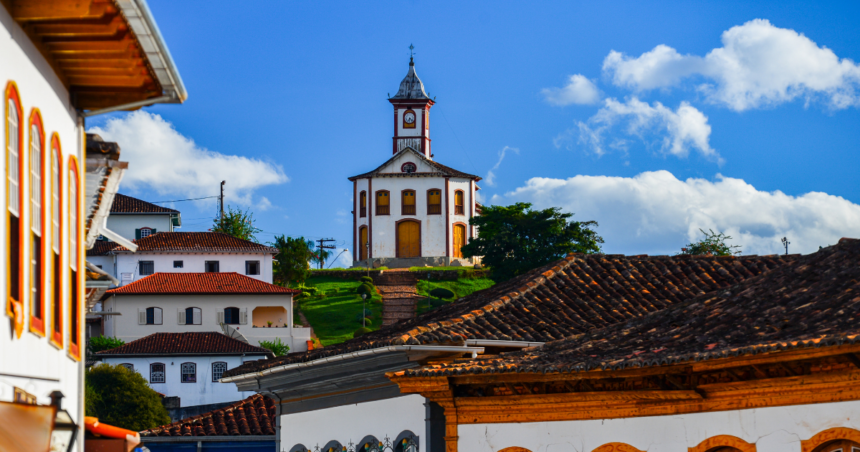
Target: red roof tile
<point>254,416</point>
<point>101,248</point>
<point>199,283</point>
<point>126,204</point>
<point>199,242</point>
<point>186,344</point>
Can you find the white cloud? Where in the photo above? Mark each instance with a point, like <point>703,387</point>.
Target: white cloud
<point>264,204</point>
<point>656,213</point>
<point>758,65</point>
<point>161,159</point>
<point>491,177</point>
<point>673,132</point>
<point>579,90</point>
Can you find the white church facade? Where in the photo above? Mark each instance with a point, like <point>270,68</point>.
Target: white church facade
<point>411,210</point>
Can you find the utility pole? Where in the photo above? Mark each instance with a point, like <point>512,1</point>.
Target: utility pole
<point>222,201</point>
<point>785,243</point>
<point>322,247</point>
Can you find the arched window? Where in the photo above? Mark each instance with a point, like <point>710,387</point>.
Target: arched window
<point>406,442</point>
<point>837,439</point>
<point>459,203</point>
<point>37,224</point>
<point>333,446</point>
<point>434,201</point>
<point>609,447</point>
<point>299,448</point>
<point>193,316</point>
<point>14,200</point>
<point>55,261</point>
<point>407,202</point>
<point>156,373</point>
<point>151,316</point>
<point>128,366</point>
<point>231,316</point>
<point>724,443</point>
<point>408,167</point>
<point>383,202</point>
<point>189,372</point>
<point>75,293</point>
<point>218,369</point>
<point>362,204</point>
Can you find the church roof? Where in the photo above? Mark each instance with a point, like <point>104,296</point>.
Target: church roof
<point>411,86</point>
<point>442,170</point>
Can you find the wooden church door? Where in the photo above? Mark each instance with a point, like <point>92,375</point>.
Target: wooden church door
<point>408,239</point>
<point>362,243</point>
<point>459,240</point>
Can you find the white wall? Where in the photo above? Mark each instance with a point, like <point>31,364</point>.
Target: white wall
<point>33,355</point>
<point>193,263</point>
<point>353,422</point>
<point>204,391</point>
<point>776,429</point>
<point>126,327</point>
<point>125,224</point>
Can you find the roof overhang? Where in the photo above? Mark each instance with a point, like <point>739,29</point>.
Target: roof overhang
<point>108,53</point>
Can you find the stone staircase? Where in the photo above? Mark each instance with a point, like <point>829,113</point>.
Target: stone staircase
<point>399,297</point>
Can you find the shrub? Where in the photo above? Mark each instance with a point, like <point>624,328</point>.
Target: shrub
<point>277,347</point>
<point>99,343</point>
<point>366,279</point>
<point>441,292</point>
<point>366,288</point>
<point>121,397</point>
<point>361,332</point>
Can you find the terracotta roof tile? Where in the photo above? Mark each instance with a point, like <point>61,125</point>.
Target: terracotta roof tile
<point>185,343</point>
<point>101,248</point>
<point>572,296</point>
<point>215,242</point>
<point>199,283</point>
<point>254,416</point>
<point>811,302</point>
<point>127,204</point>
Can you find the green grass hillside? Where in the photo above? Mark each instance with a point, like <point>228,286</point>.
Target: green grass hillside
<point>335,311</point>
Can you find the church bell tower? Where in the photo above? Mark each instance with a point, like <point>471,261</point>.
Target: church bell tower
<point>412,114</point>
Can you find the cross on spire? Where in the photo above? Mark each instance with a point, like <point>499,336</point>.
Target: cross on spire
<point>411,53</point>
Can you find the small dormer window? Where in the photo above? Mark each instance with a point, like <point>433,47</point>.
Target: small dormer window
<point>408,167</point>
<point>145,232</point>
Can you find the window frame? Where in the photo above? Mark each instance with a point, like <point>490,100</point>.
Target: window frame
<point>387,206</point>
<point>12,96</point>
<point>181,264</point>
<point>438,207</point>
<point>75,259</point>
<point>36,237</point>
<point>152,372</point>
<point>128,366</point>
<point>460,209</point>
<point>238,316</point>
<point>404,207</point>
<point>362,204</point>
<point>214,379</point>
<point>206,266</point>
<point>140,265</point>
<point>259,268</point>
<point>56,249</point>
<point>192,322</point>
<point>182,373</point>
<point>153,315</point>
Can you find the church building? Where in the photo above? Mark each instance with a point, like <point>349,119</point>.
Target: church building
<point>411,210</point>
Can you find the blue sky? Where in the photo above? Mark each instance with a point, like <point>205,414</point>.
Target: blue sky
<point>655,119</point>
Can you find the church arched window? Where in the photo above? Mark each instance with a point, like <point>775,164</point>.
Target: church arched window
<point>383,202</point>
<point>459,203</point>
<point>434,201</point>
<point>408,167</point>
<point>37,223</point>
<point>362,204</point>
<point>14,199</point>
<point>407,202</point>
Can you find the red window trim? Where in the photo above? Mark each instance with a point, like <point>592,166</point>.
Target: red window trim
<point>75,305</point>
<point>57,289</point>
<point>13,94</point>
<point>37,325</point>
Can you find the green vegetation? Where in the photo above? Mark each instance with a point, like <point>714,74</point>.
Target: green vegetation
<point>121,397</point>
<point>276,346</point>
<point>291,264</point>
<point>460,288</point>
<point>351,269</point>
<point>333,308</point>
<point>237,223</point>
<point>361,332</point>
<point>714,244</point>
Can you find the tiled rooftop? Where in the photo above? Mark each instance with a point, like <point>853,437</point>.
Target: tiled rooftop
<point>127,204</point>
<point>572,296</point>
<point>187,344</point>
<point>814,301</point>
<point>101,248</point>
<point>216,242</point>
<point>252,416</point>
<point>199,283</point>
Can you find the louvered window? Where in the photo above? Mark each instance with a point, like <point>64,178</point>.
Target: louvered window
<point>434,202</point>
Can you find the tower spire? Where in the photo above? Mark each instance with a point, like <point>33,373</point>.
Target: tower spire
<point>411,54</point>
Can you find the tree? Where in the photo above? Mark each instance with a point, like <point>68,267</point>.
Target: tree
<point>276,346</point>
<point>122,398</point>
<point>515,239</point>
<point>291,264</point>
<point>714,244</point>
<point>237,223</point>
<point>99,343</point>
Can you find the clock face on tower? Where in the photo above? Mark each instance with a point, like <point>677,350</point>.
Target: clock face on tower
<point>409,119</point>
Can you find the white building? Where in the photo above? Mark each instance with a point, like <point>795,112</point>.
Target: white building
<point>134,218</point>
<point>188,365</point>
<point>60,62</point>
<point>412,210</point>
<point>200,302</point>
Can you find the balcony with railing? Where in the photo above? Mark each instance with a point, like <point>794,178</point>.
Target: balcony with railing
<point>382,210</point>
<point>459,210</point>
<point>434,209</point>
<point>408,209</point>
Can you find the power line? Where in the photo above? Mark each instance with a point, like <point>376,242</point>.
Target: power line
<point>322,247</point>
<point>181,200</point>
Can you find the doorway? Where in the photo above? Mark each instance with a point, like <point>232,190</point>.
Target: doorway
<point>459,240</point>
<point>408,239</point>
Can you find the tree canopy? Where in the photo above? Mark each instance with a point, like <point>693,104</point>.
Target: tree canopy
<point>714,244</point>
<point>292,263</point>
<point>121,397</point>
<point>515,239</point>
<point>237,223</point>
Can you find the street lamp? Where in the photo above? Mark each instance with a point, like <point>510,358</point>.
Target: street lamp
<point>65,429</point>
<point>364,310</point>
<point>367,245</point>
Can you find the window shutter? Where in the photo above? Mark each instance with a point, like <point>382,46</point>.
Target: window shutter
<point>141,317</point>
<point>153,231</point>
<point>220,317</point>
<point>137,234</point>
<point>180,316</point>
<point>157,316</point>
<point>196,316</point>
<point>243,317</point>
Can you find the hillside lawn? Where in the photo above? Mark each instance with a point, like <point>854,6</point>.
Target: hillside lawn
<point>460,287</point>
